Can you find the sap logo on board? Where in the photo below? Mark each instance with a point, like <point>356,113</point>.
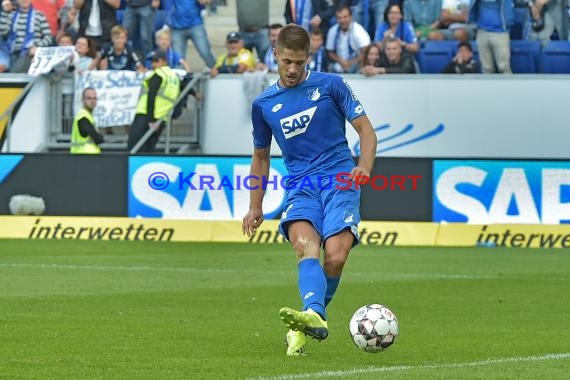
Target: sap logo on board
<point>296,124</point>
<point>501,192</point>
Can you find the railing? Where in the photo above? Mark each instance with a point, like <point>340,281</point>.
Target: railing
<point>168,128</point>
<point>181,134</point>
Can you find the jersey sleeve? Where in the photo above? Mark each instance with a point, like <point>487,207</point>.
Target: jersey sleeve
<point>261,130</point>
<point>176,58</point>
<point>361,36</point>
<point>409,36</point>
<point>346,99</point>
<point>380,30</point>
<point>134,59</point>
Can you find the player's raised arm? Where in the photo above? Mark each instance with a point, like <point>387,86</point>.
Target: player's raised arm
<point>368,145</point>
<point>258,171</point>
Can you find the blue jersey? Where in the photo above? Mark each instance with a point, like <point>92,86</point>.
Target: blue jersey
<point>308,122</point>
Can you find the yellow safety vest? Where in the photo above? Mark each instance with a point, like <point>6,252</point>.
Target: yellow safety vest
<point>80,144</point>
<point>166,96</point>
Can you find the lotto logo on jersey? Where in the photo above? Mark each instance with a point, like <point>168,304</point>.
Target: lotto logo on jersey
<point>296,124</point>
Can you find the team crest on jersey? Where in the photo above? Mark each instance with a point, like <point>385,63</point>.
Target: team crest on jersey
<point>296,124</point>
<point>277,107</point>
<point>314,95</point>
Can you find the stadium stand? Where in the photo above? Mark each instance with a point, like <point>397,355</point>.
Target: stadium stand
<point>525,56</point>
<point>434,55</point>
<point>555,57</point>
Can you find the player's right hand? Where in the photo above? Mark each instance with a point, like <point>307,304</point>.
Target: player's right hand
<point>251,222</point>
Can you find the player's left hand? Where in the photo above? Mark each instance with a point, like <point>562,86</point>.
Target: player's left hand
<point>251,222</point>
<point>359,175</point>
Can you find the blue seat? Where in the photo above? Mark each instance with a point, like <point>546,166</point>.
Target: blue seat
<point>434,55</point>
<point>517,29</point>
<point>525,56</point>
<point>555,57</point>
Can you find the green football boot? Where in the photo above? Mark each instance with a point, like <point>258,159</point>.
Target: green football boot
<point>295,341</point>
<point>308,322</point>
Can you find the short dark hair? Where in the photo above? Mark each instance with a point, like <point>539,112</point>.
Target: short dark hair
<point>92,52</point>
<point>294,37</point>
<point>276,26</point>
<point>465,44</point>
<point>316,32</point>
<point>87,89</point>
<point>342,7</point>
<point>387,10</point>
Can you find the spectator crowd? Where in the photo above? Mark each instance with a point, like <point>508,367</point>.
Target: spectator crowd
<point>366,37</point>
<point>349,36</point>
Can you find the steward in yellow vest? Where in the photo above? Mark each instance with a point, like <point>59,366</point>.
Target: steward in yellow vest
<point>85,138</point>
<point>159,93</point>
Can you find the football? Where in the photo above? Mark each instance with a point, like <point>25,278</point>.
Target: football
<point>373,328</point>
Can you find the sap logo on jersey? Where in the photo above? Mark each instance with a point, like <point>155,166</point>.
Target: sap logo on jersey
<point>189,199</point>
<point>483,192</point>
<point>296,124</point>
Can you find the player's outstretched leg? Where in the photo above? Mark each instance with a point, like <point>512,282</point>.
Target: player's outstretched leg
<point>311,283</point>
<point>308,322</point>
<point>295,343</point>
<point>337,248</point>
<point>332,285</point>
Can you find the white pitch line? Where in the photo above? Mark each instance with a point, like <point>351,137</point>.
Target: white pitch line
<point>111,268</point>
<point>368,370</point>
<point>432,275</point>
<point>403,276</point>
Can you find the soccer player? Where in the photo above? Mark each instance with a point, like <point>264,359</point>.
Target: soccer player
<point>306,112</point>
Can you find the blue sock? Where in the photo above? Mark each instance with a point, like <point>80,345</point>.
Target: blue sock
<point>332,284</point>
<point>312,285</point>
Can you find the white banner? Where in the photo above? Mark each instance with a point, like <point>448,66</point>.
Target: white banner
<point>458,116</point>
<point>117,95</point>
<point>46,58</point>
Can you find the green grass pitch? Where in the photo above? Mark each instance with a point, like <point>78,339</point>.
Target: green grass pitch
<point>135,310</point>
